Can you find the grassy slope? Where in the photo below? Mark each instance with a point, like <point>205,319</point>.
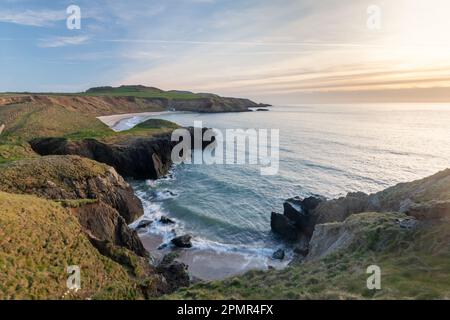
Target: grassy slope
<point>124,91</point>
<point>22,176</point>
<point>28,121</point>
<point>38,240</point>
<point>415,265</point>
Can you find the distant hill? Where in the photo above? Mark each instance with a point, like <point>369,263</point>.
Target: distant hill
<point>140,91</point>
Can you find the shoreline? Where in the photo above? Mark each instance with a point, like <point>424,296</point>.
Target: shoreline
<point>209,264</point>
<point>113,120</point>
<point>204,264</point>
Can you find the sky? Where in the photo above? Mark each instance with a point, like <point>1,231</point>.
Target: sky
<point>283,51</point>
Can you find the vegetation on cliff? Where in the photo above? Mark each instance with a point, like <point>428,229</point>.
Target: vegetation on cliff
<point>80,218</point>
<point>38,240</point>
<point>415,264</point>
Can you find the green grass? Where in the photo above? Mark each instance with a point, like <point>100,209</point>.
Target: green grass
<point>38,240</point>
<point>123,91</point>
<point>146,129</point>
<point>26,122</point>
<point>154,95</point>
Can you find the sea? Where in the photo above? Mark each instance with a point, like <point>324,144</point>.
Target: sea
<point>327,150</point>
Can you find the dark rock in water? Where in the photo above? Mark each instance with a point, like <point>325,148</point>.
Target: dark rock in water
<point>163,246</point>
<point>259,109</point>
<point>143,224</point>
<point>293,209</point>
<point>282,225</point>
<point>299,211</point>
<point>165,220</point>
<point>279,254</point>
<point>182,241</point>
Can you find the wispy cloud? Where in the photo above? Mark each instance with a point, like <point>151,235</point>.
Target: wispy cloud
<point>56,42</point>
<point>36,18</point>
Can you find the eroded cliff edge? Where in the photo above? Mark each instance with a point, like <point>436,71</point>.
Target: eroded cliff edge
<point>68,210</point>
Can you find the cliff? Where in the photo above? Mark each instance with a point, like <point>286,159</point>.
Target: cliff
<point>69,208</point>
<point>104,101</point>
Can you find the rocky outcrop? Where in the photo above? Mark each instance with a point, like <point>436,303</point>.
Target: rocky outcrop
<point>139,158</point>
<point>283,226</point>
<point>174,272</point>
<point>278,255</point>
<point>102,223</point>
<point>182,241</point>
<point>101,200</point>
<point>366,231</point>
<point>296,222</point>
<point>321,227</point>
<point>426,199</point>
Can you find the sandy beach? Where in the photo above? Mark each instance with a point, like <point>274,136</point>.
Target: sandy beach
<point>205,264</point>
<point>113,120</point>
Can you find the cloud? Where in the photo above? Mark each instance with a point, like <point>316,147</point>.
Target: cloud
<point>56,42</point>
<point>35,18</point>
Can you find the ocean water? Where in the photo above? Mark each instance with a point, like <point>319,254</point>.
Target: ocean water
<point>324,149</point>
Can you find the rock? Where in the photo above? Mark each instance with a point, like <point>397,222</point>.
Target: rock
<point>430,210</point>
<point>278,255</point>
<point>182,241</point>
<point>260,109</point>
<point>293,209</point>
<point>299,211</point>
<point>143,224</point>
<point>138,158</point>
<point>102,222</point>
<point>310,203</point>
<point>135,157</point>
<point>340,209</point>
<point>174,272</point>
<point>163,246</point>
<point>369,231</point>
<point>281,225</point>
<point>302,251</point>
<point>165,220</point>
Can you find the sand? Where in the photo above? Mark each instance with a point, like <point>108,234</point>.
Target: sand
<point>113,120</point>
<point>207,264</point>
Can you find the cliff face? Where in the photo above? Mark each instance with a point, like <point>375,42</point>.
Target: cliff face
<point>39,239</point>
<point>143,158</point>
<point>135,157</point>
<point>101,199</point>
<point>101,203</point>
<point>426,200</point>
